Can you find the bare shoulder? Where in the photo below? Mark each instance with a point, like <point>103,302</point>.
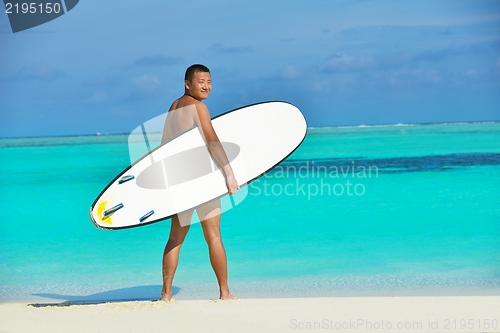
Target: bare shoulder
<point>174,105</point>
<point>186,101</point>
<point>201,107</point>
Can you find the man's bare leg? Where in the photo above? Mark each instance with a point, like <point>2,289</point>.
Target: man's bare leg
<point>171,256</point>
<point>211,231</point>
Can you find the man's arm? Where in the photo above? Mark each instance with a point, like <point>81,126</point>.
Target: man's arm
<point>213,143</point>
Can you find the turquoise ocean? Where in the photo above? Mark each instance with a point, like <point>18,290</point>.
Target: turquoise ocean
<point>367,210</point>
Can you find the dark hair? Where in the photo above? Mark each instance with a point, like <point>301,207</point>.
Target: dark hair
<point>193,69</point>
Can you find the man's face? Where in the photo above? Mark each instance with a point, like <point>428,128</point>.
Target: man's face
<point>200,86</point>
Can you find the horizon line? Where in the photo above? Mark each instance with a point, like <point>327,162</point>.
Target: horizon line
<point>309,127</point>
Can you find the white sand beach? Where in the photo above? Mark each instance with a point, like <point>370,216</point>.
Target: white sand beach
<point>356,314</point>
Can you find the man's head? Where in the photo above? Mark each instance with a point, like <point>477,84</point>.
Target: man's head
<point>197,68</point>
<point>197,81</point>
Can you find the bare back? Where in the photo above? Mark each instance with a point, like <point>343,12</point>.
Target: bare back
<point>181,117</point>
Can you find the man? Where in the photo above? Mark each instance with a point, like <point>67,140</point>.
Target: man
<point>187,112</point>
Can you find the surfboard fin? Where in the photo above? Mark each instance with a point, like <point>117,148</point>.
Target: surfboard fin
<point>125,179</point>
<point>113,209</point>
<point>145,216</point>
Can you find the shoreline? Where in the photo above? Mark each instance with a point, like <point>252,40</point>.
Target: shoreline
<point>282,289</point>
<point>360,314</point>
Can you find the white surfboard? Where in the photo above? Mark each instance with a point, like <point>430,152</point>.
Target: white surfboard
<point>181,174</point>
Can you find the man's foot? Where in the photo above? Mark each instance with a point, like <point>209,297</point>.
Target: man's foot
<point>166,296</point>
<point>227,296</point>
<point>167,299</point>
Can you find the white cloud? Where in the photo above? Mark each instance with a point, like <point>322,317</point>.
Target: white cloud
<point>289,73</point>
<point>98,98</point>
<point>319,86</point>
<point>120,112</point>
<point>432,77</point>
<point>409,77</point>
<point>156,60</point>
<point>340,62</point>
<point>39,72</point>
<point>147,82</point>
<point>97,81</point>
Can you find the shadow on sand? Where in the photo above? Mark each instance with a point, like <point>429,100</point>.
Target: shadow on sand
<point>138,293</point>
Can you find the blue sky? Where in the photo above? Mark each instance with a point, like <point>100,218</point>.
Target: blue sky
<point>108,66</point>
